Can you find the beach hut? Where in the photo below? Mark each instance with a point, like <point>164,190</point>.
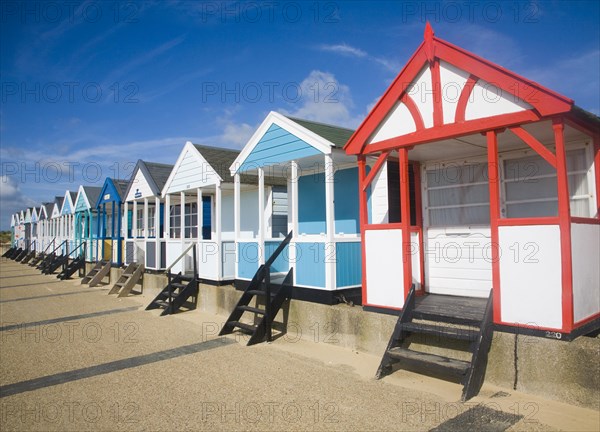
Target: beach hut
<point>13,225</point>
<point>318,204</point>
<point>27,228</point>
<point>44,237</point>
<point>34,229</point>
<point>145,244</point>
<point>199,210</point>
<point>56,231</point>
<point>112,220</point>
<point>67,215</point>
<point>491,190</point>
<point>86,220</point>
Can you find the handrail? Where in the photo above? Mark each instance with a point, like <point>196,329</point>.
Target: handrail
<point>49,244</point>
<point>180,257</point>
<point>169,274</point>
<point>84,248</point>
<point>267,278</point>
<point>56,248</point>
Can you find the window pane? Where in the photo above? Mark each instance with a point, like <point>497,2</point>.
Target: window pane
<point>458,216</point>
<point>531,189</point>
<point>532,209</point>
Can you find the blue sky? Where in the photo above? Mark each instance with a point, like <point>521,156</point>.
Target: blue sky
<point>90,87</point>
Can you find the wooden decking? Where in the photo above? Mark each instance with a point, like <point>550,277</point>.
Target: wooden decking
<point>459,310</point>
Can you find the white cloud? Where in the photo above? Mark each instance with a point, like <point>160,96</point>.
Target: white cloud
<point>323,98</point>
<point>12,200</point>
<point>344,49</point>
<point>236,135</point>
<point>350,51</point>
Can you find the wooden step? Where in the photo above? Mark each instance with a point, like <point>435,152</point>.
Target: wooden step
<point>260,293</point>
<point>251,309</point>
<point>178,285</point>
<point>430,361</point>
<point>243,326</point>
<point>445,317</point>
<point>466,334</point>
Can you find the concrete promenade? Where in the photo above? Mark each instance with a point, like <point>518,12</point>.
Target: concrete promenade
<point>73,358</point>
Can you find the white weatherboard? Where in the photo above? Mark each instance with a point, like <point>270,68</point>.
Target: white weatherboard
<point>458,261</point>
<point>530,275</point>
<point>140,188</point>
<point>385,271</point>
<point>379,197</point>
<point>585,240</point>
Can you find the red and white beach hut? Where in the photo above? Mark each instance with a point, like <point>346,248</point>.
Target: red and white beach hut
<point>498,177</point>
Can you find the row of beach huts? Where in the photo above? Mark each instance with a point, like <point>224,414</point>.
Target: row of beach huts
<point>467,197</point>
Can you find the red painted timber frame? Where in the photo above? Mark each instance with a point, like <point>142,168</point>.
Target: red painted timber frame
<point>545,103</point>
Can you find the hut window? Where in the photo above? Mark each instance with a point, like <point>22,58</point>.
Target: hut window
<point>175,220</point>
<point>151,216</point>
<point>191,220</point>
<point>458,195</point>
<point>530,186</point>
<point>140,222</point>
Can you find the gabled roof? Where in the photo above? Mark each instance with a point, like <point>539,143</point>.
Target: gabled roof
<point>111,187</point>
<point>12,220</point>
<point>415,108</point>
<point>219,159</point>
<point>89,195</point>
<point>339,136</point>
<point>309,138</point>
<point>57,207</point>
<point>156,174</point>
<point>43,212</point>
<point>34,214</point>
<point>68,205</point>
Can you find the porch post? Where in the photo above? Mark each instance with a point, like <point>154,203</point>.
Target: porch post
<point>182,227</point>
<point>236,220</point>
<point>494,191</point>
<point>236,206</point>
<point>364,220</point>
<point>405,219</point>
<point>120,231</point>
<point>199,212</point>
<point>218,229</point>
<point>596,140</point>
<point>167,220</point>
<point>134,227</point>
<point>564,221</point>
<point>157,233</point>
<point>261,215</point>
<point>330,256</point>
<point>182,217</point>
<point>293,215</point>
<point>145,227</point>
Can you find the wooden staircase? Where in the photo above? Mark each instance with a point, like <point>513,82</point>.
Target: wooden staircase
<point>57,261</point>
<point>22,254</point>
<point>97,274</point>
<point>176,295</point>
<point>260,287</point>
<point>76,264</point>
<point>28,257</point>
<point>9,252</point>
<point>36,260</point>
<point>180,288</point>
<point>443,318</point>
<point>130,277</point>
